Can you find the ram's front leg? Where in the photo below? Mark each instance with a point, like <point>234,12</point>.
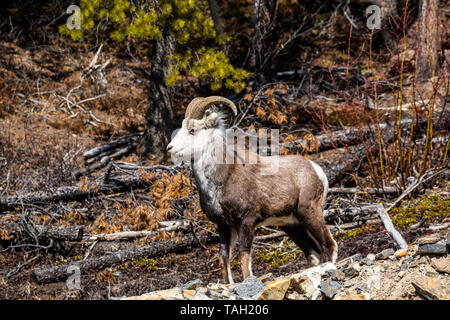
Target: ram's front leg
<point>225,235</point>
<point>246,234</point>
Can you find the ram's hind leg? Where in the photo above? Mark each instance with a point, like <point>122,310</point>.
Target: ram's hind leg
<point>299,235</point>
<point>317,230</point>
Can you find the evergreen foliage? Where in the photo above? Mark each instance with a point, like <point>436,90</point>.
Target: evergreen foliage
<point>197,50</point>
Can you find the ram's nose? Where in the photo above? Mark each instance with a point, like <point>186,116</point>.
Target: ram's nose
<point>169,147</point>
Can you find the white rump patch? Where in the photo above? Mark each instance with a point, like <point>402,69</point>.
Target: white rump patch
<point>322,177</point>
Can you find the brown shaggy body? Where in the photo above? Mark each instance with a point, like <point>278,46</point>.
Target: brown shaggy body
<point>292,198</point>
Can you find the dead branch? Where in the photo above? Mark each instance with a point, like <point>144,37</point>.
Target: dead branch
<point>390,227</point>
<point>271,236</point>
<point>127,235</point>
<point>94,152</point>
<point>422,179</point>
<point>353,225</point>
<point>60,272</point>
<point>351,214</point>
<point>100,156</point>
<point>385,190</point>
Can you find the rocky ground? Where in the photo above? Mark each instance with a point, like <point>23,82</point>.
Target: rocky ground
<point>421,272</point>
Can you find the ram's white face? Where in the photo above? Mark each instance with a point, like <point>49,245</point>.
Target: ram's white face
<point>194,137</point>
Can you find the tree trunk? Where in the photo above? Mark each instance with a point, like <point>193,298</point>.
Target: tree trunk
<point>389,17</point>
<point>261,20</point>
<point>427,58</point>
<point>159,112</point>
<point>216,17</point>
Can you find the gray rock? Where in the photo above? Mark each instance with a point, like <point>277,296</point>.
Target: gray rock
<point>441,265</point>
<point>448,242</point>
<point>218,286</point>
<point>192,285</point>
<point>404,266</point>
<point>345,262</point>
<point>311,277</point>
<point>362,287</point>
<point>330,288</point>
<point>355,257</point>
<point>352,269</point>
<point>216,295</point>
<point>295,296</point>
<point>338,276</point>
<point>330,273</point>
<point>393,258</point>
<point>200,296</point>
<point>385,254</point>
<point>251,288</point>
<point>317,295</point>
<point>371,256</point>
<point>348,284</point>
<point>367,262</point>
<point>432,249</point>
<point>432,288</point>
<point>429,239</point>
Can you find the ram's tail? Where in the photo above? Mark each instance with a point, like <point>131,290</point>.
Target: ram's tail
<point>322,177</point>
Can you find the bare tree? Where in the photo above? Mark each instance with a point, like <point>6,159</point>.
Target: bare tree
<point>428,46</point>
<point>388,17</point>
<point>216,17</point>
<point>261,19</point>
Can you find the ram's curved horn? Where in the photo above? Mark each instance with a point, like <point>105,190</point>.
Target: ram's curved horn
<point>198,108</point>
<point>194,102</point>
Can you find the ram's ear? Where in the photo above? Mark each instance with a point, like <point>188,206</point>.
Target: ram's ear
<point>210,119</point>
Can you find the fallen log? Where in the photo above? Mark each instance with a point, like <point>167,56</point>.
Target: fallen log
<point>341,163</point>
<point>63,271</point>
<point>357,135</point>
<point>71,193</point>
<point>62,233</point>
<point>385,190</point>
<point>350,214</point>
<point>347,160</point>
<point>127,235</point>
<point>98,157</point>
<point>110,146</point>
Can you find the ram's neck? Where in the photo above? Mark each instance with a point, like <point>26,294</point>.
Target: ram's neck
<point>209,166</point>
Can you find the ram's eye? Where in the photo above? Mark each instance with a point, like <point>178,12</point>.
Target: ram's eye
<point>191,131</point>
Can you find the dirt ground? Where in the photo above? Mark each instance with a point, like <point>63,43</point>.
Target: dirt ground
<point>172,271</point>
